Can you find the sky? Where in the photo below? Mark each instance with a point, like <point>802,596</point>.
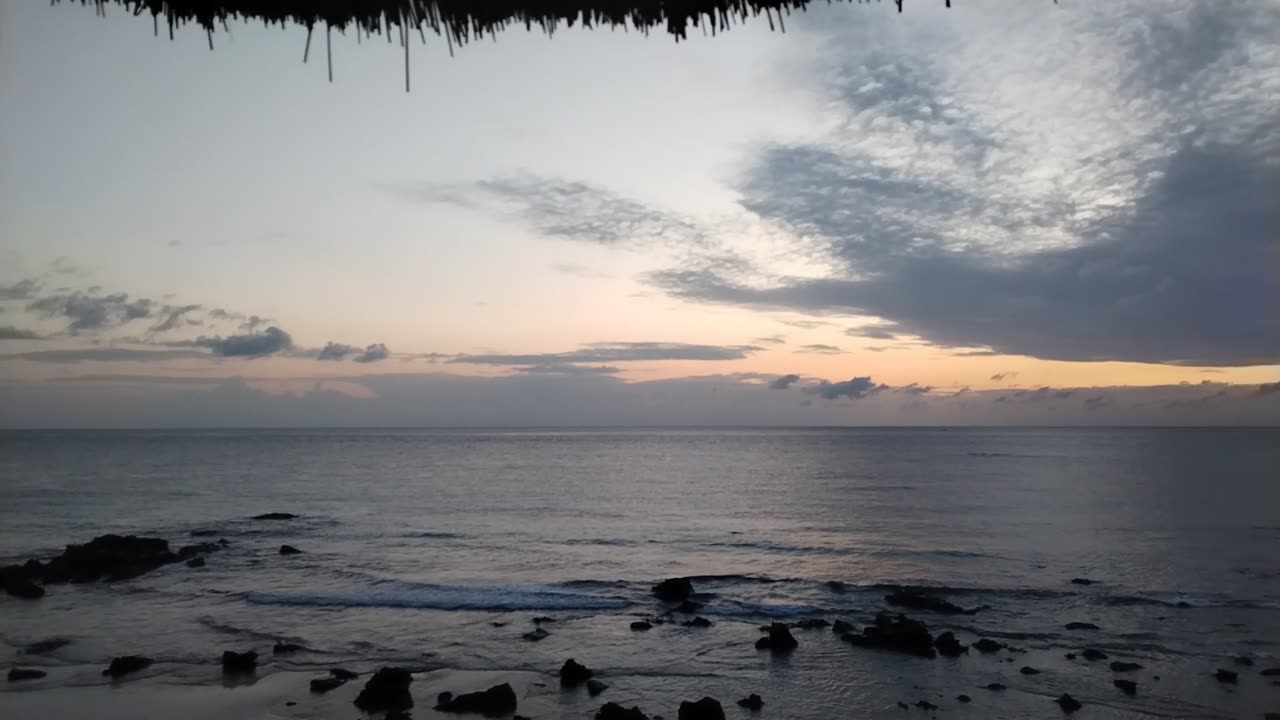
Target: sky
<point>1003,213</point>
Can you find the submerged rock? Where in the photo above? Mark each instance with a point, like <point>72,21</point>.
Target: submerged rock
<point>926,705</point>
<point>574,673</point>
<point>987,645</point>
<point>595,687</point>
<point>1081,581</point>
<point>234,662</point>
<point>963,698</point>
<point>343,674</point>
<point>704,709</point>
<point>903,705</point>
<point>949,646</point>
<point>543,619</point>
<point>274,516</point>
<point>1226,676</point>
<point>1093,654</point>
<point>126,664</point>
<point>289,550</point>
<point>535,635</point>
<point>106,557</point>
<point>697,622</point>
<point>1068,703</point>
<point>997,687</point>
<point>840,627</point>
<point>779,639</point>
<point>497,700</point>
<point>811,624</point>
<point>284,648</point>
<point>898,633</point>
<point>325,684</point>
<point>640,625</point>
<point>42,647</point>
<point>1128,687</point>
<point>1244,661</point>
<point>15,582</point>
<point>1122,666</point>
<point>917,600</point>
<point>673,589</point>
<point>1028,670</point>
<point>20,674</point>
<point>189,551</point>
<point>1081,626</point>
<point>751,702</point>
<point>196,562</point>
<point>388,689</point>
<point>1270,672</point>
<point>614,711</point>
<point>689,607</point>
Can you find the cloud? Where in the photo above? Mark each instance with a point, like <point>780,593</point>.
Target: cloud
<point>176,317</point>
<point>1009,374</point>
<point>9,332</point>
<point>373,353</point>
<point>104,355</point>
<point>916,389</point>
<point>771,340</point>
<point>784,382</point>
<point>1067,211</point>
<point>820,349</point>
<point>577,270</point>
<point>250,345</point>
<point>569,369</point>
<point>616,352</point>
<point>25,289</point>
<point>853,388</point>
<point>335,351</point>
<point>875,331</point>
<point>86,311</point>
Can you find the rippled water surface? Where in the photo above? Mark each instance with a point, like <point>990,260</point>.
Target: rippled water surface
<point>436,549</point>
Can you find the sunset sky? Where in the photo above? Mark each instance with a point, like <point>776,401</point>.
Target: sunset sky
<point>1019,213</point>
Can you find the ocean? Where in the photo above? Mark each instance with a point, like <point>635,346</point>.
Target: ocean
<point>436,549</point>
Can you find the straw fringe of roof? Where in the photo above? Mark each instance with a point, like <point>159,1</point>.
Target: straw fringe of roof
<point>460,21</point>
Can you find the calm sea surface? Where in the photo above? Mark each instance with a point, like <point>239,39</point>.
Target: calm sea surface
<point>419,544</point>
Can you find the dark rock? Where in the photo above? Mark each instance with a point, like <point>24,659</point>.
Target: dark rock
<point>641,625</point>
<point>1093,654</point>
<point>963,698</point>
<point>898,633</point>
<point>18,674</point>
<point>195,562</point>
<point>543,619</point>
<point>499,623</point>
<point>1128,687</point>
<point>926,705</point>
<point>283,648</point>
<point>779,639</point>
<point>189,551</point>
<point>274,516</point>
<point>234,662</point>
<point>399,714</point>
<point>704,709</point>
<point>1028,670</point>
<point>1068,703</point>
<point>1270,716</point>
<point>595,687</point>
<point>698,622</point>
<point>535,635</point>
<point>1081,581</point>
<point>995,686</point>
<point>224,542</point>
<point>497,700</point>
<point>751,702</point>
<point>325,684</point>
<point>811,624</point>
<point>689,607</point>
<point>42,647</point>
<point>109,557</point>
<point>21,587</point>
<point>289,703</point>
<point>573,673</point>
<point>1226,676</point>
<point>1270,672</point>
<point>987,645</point>
<point>388,689</point>
<point>443,698</point>
<point>917,600</point>
<point>841,627</point>
<point>1070,656</point>
<point>1081,626</point>
<point>949,646</point>
<point>673,589</point>
<point>903,705</point>
<point>127,664</point>
<point>614,711</point>
<point>1122,666</point>
<point>289,550</point>
<point>1182,604</point>
<point>342,674</point>
<point>1244,661</point>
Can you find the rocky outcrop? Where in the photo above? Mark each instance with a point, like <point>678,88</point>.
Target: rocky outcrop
<point>963,698</point>
<point>387,689</point>
<point>778,640</point>
<point>987,645</point>
<point>234,662</point>
<point>841,627</point>
<point>704,709</point>
<point>673,589</point>
<point>751,702</point>
<point>574,673</point>
<point>640,625</point>
<point>20,674</point>
<point>1128,687</point>
<point>614,711</point>
<point>917,600</point>
<point>496,701</point>
<point>15,581</point>
<point>107,557</point>
<point>895,632</point>
<point>127,664</point>
<point>289,550</point>
<point>274,516</point>
<point>1068,703</point>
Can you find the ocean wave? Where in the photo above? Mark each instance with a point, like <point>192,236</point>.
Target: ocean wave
<point>400,594</point>
<point>235,631</point>
<point>431,535</point>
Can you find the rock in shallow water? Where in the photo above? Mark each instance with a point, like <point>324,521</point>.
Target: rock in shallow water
<point>778,640</point>
<point>841,627</point>
<point>1226,676</point>
<point>343,674</point>
<point>697,622</point>
<point>963,698</point>
<point>704,709</point>
<point>1128,687</point>
<point>751,702</point>
<point>1068,703</point>
<point>284,648</point>
<point>234,662</point>
<point>1081,626</point>
<point>497,700</point>
<point>1081,581</point>
<point>987,645</point>
<point>1270,672</point>
<point>640,625</point>
<point>289,550</point>
<point>595,687</point>
<point>325,684</point>
<point>614,711</point>
<point>1093,654</point>
<point>388,689</point>
<point>898,633</point>
<point>673,589</point>
<point>949,646</point>
<point>274,516</point>
<point>1122,666</point>
<point>19,674</point>
<point>574,673</point>
<point>196,562</point>
<point>917,600</point>
<point>126,664</point>
<point>535,635</point>
<point>1028,670</point>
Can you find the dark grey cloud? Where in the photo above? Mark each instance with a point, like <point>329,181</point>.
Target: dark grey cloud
<point>104,355</point>
<point>616,352</point>
<point>820,349</point>
<point>9,332</point>
<point>250,345</point>
<point>770,340</point>
<point>176,317</point>
<point>784,382</point>
<point>875,331</point>
<point>1007,374</point>
<point>854,388</point>
<point>25,289</point>
<point>570,369</point>
<point>335,351</point>
<point>916,389</point>
<point>373,353</point>
<point>87,311</point>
